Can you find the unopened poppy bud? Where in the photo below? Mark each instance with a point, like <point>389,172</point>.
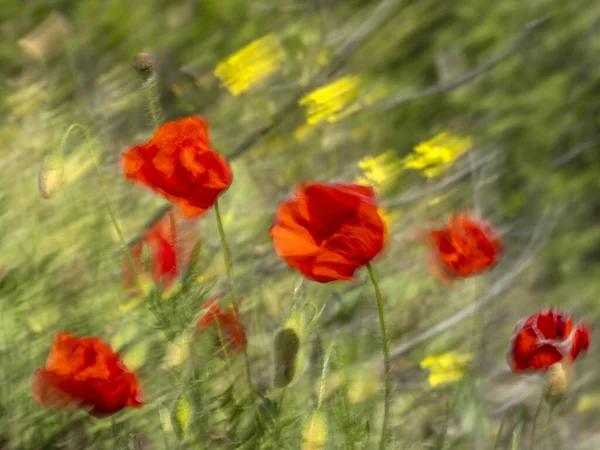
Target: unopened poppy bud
<point>557,382</point>
<point>181,416</point>
<point>143,62</point>
<point>314,435</point>
<point>285,348</point>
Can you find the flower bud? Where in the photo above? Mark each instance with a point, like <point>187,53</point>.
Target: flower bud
<point>285,348</point>
<point>143,63</point>
<point>314,435</point>
<point>557,382</point>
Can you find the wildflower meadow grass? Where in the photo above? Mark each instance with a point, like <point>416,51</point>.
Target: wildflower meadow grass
<point>299,225</point>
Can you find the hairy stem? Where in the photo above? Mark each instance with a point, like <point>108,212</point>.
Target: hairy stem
<point>232,288</point>
<point>343,388</point>
<point>500,430</point>
<point>152,99</point>
<point>534,422</point>
<point>111,213</point>
<point>386,359</point>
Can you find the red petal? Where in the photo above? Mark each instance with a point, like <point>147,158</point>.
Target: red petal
<point>47,393</point>
<point>581,340</point>
<point>544,356</point>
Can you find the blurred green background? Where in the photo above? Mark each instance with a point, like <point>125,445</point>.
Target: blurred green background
<point>521,80</point>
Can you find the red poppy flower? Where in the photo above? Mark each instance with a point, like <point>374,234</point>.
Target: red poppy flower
<point>465,248</point>
<point>230,326</point>
<point>328,231</point>
<point>544,339</point>
<point>85,373</point>
<point>171,242</point>
<point>178,163</point>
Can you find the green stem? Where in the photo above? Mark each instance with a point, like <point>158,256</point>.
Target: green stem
<point>516,440</point>
<point>104,193</point>
<point>344,389</point>
<point>232,288</point>
<point>534,423</point>
<point>548,428</point>
<point>500,430</point>
<point>152,98</point>
<point>115,433</point>
<point>386,359</point>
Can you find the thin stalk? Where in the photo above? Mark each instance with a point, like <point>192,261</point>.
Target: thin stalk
<point>516,440</point>
<point>343,388</point>
<point>152,99</point>
<point>111,213</point>
<point>548,428</point>
<point>232,288</point>
<point>386,359</point>
<point>534,423</point>
<point>223,345</point>
<point>500,430</point>
<point>115,433</point>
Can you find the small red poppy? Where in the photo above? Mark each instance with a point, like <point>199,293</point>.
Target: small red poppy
<point>85,373</point>
<point>230,326</point>
<point>328,231</point>
<point>543,339</point>
<point>465,248</point>
<point>171,242</point>
<point>178,163</point>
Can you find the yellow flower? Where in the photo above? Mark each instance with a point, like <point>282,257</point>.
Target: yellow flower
<point>445,377</point>
<point>327,103</point>
<point>447,367</point>
<point>378,171</point>
<point>302,132</point>
<point>434,156</point>
<point>251,64</point>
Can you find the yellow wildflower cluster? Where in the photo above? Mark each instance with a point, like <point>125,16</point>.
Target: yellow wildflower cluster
<point>378,171</point>
<point>446,368</point>
<point>434,156</point>
<point>328,103</point>
<point>251,64</point>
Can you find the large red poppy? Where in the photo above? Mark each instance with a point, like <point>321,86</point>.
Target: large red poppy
<point>465,248</point>
<point>178,163</point>
<point>230,326</point>
<point>85,373</point>
<point>328,231</point>
<point>171,242</point>
<point>543,339</point>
